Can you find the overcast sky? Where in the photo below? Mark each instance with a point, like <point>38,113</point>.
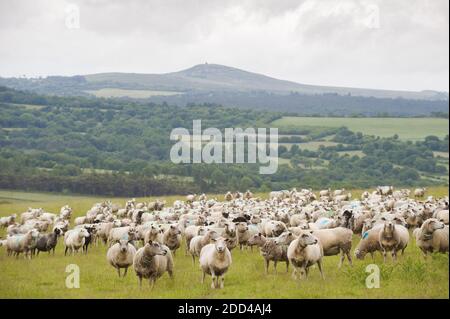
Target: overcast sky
<point>390,44</point>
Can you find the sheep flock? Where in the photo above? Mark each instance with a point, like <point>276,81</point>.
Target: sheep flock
<point>297,228</point>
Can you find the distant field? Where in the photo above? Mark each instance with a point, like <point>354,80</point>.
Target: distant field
<point>44,276</point>
<point>406,128</point>
<point>139,94</point>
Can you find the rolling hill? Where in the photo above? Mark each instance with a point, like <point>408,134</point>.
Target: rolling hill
<point>228,86</point>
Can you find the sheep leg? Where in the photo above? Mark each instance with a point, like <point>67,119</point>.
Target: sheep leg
<point>319,264</point>
<point>118,271</point>
<point>384,256</point>
<point>266,266</point>
<point>275,266</point>
<point>151,283</point>
<point>140,281</point>
<point>193,259</point>
<point>341,260</point>
<point>203,277</point>
<point>349,257</point>
<point>222,280</point>
<point>213,281</point>
<point>125,273</point>
<point>394,255</point>
<point>65,251</point>
<point>287,266</point>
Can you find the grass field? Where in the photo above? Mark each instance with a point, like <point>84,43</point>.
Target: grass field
<point>44,277</point>
<point>139,94</point>
<point>406,128</point>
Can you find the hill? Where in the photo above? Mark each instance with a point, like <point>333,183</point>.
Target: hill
<point>228,86</point>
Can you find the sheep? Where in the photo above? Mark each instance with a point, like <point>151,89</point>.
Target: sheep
<point>304,252</point>
<point>215,259</point>
<point>154,233</point>
<point>74,239</point>
<point>393,237</point>
<point>420,192</point>
<point>441,215</point>
<point>118,233</point>
<point>272,251</point>
<point>334,241</point>
<point>120,255</point>
<point>244,232</point>
<point>19,243</point>
<point>48,242</point>
<point>152,261</point>
<point>8,220</point>
<point>172,238</point>
<point>257,240</point>
<point>103,230</point>
<point>369,242</point>
<point>190,232</point>
<point>273,228</point>
<point>432,237</point>
<point>198,242</point>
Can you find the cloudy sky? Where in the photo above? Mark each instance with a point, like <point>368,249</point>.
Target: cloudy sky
<point>390,44</point>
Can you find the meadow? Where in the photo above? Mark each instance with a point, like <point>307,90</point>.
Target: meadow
<point>44,276</point>
<point>412,129</point>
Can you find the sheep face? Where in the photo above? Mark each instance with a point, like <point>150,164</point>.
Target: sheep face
<point>83,233</point>
<point>389,227</point>
<point>123,245</point>
<point>220,244</point>
<point>285,238</point>
<point>306,238</point>
<point>432,224</point>
<point>153,248</point>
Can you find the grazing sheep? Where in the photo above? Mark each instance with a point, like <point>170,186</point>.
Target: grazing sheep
<point>74,239</point>
<point>304,252</point>
<point>432,237</point>
<point>198,242</point>
<point>369,242</point>
<point>334,241</point>
<point>48,242</point>
<point>120,255</point>
<point>19,243</point>
<point>215,259</point>
<point>272,251</point>
<point>172,238</point>
<point>393,237</point>
<point>152,261</point>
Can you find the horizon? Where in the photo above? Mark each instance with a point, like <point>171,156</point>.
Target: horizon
<point>222,65</point>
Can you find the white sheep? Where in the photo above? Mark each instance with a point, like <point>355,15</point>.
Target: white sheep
<point>215,259</point>
<point>74,239</point>
<point>120,255</point>
<point>393,237</point>
<point>19,243</point>
<point>432,236</point>
<point>304,252</point>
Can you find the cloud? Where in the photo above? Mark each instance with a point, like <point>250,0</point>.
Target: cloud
<point>399,44</point>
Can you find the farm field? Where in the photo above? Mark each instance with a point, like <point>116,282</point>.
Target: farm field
<point>407,128</point>
<point>44,277</point>
<point>140,94</point>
